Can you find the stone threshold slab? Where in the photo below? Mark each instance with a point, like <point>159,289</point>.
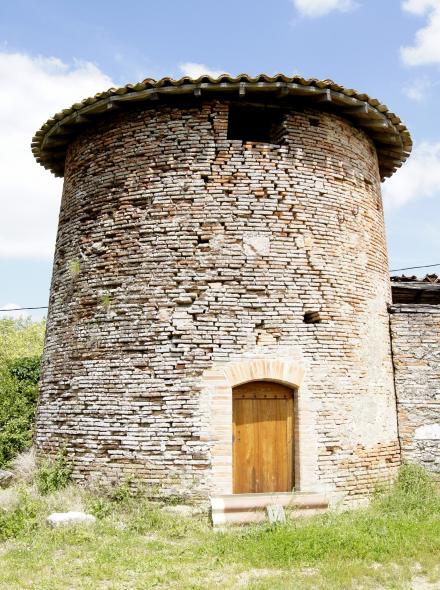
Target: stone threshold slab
<point>236,509</point>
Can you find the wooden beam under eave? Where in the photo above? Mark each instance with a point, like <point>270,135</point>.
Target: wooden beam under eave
<point>388,162</point>
<point>357,111</point>
<point>53,165</point>
<point>75,120</point>
<point>384,139</point>
<point>385,173</point>
<point>55,142</point>
<point>139,96</point>
<point>282,91</point>
<point>324,97</point>
<point>96,108</point>
<point>364,112</point>
<point>300,90</point>
<point>49,154</point>
<point>112,106</point>
<point>375,124</point>
<point>389,150</point>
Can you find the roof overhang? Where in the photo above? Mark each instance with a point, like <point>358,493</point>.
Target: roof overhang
<point>390,136</point>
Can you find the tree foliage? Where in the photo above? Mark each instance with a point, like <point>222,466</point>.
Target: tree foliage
<point>20,338</point>
<point>21,345</point>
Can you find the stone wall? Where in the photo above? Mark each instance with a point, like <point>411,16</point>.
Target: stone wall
<point>415,333</point>
<point>180,251</point>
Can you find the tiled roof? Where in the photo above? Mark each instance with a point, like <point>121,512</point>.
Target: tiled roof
<point>432,278</point>
<point>414,290</point>
<point>391,137</point>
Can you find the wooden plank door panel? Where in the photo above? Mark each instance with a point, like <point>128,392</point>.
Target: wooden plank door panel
<point>263,438</point>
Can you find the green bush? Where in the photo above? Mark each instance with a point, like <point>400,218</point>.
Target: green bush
<point>104,500</point>
<point>18,398</point>
<point>21,346</point>
<point>415,492</point>
<point>54,474</point>
<point>23,519</point>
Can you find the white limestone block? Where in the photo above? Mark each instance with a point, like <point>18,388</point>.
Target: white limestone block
<point>57,519</point>
<point>428,432</point>
<point>255,244</point>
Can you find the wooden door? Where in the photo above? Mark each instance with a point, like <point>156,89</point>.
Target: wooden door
<point>262,438</point>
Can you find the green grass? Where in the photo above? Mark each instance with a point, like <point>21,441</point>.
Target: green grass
<point>138,545</point>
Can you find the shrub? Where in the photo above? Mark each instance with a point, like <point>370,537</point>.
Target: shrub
<point>21,345</point>
<point>24,518</point>
<point>54,474</point>
<point>18,398</point>
<point>415,491</point>
<point>99,506</point>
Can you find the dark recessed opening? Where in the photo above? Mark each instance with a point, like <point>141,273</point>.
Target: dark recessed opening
<point>314,121</point>
<point>312,317</point>
<point>257,124</point>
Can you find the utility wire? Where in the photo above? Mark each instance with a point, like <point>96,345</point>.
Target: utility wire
<point>20,308</point>
<point>392,270</point>
<point>414,267</point>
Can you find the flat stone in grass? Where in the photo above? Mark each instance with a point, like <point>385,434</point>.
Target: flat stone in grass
<point>6,478</point>
<point>58,519</point>
<point>275,513</point>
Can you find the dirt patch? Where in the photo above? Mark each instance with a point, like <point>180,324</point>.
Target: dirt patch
<point>421,583</point>
<point>244,578</point>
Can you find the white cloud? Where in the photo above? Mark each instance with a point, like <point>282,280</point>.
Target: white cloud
<point>418,178</point>
<point>419,6</point>
<point>426,48</point>
<point>33,89</point>
<point>315,8</point>
<point>194,70</point>
<point>418,89</point>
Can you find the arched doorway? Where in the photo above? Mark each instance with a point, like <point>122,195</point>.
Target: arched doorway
<point>263,456</point>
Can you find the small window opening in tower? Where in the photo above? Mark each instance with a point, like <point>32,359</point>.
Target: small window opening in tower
<point>256,124</point>
<point>312,317</point>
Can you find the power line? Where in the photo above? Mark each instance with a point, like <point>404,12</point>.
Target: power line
<point>21,308</point>
<point>414,267</point>
<point>391,270</point>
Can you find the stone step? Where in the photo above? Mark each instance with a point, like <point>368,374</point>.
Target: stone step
<point>247,508</point>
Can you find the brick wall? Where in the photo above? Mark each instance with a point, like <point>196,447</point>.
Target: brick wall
<point>416,352</point>
<point>178,251</point>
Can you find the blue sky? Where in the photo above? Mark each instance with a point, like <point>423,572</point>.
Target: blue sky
<point>55,53</point>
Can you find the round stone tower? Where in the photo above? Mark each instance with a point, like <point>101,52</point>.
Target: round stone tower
<point>218,311</point>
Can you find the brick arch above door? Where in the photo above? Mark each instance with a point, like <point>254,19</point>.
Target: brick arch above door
<point>264,369</point>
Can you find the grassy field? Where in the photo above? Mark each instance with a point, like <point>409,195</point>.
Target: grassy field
<point>136,544</point>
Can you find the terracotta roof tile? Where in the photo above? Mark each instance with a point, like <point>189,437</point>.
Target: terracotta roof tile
<point>392,138</point>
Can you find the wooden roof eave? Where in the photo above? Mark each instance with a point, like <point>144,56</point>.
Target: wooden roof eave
<point>372,119</point>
